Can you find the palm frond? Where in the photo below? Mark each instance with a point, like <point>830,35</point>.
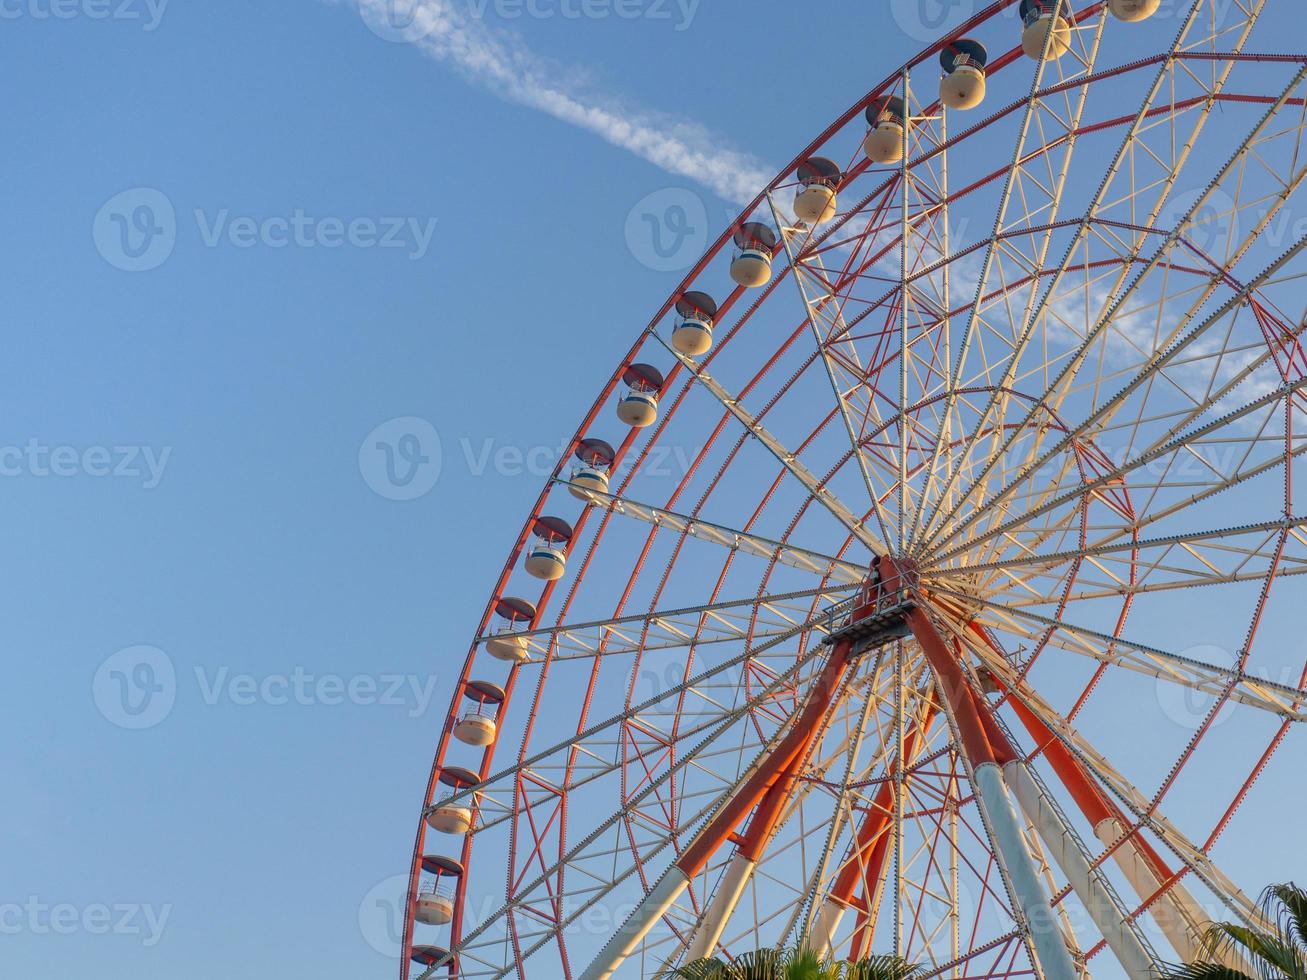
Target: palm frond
<point>1287,903</point>
<point>1205,971</point>
<point>883,967</point>
<point>706,969</point>
<point>805,964</point>
<point>1271,956</point>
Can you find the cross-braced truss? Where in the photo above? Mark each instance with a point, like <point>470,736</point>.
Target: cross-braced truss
<point>967,624</point>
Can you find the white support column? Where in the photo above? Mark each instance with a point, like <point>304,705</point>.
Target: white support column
<point>713,922</point>
<point>824,927</point>
<point>1180,918</point>
<point>1055,961</point>
<point>637,926</point>
<point>1061,843</point>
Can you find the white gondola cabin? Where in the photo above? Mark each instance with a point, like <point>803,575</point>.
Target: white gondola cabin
<point>887,117</point>
<point>638,406</point>
<point>438,893</point>
<point>596,459</point>
<point>696,313</point>
<point>546,556</point>
<point>963,84</point>
<point>478,725</point>
<point>508,644</point>
<point>754,242</point>
<point>1132,11</point>
<point>1042,19</point>
<point>453,813</point>
<point>816,202</point>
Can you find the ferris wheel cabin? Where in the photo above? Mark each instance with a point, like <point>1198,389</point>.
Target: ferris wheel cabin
<point>591,476</point>
<point>638,406</point>
<point>1132,11</point>
<point>546,558</point>
<point>755,243</point>
<point>816,202</point>
<point>888,118</point>
<point>479,725</point>
<point>453,814</point>
<point>507,643</point>
<point>436,895</point>
<point>1041,20</point>
<point>963,84</point>
<point>692,335</point>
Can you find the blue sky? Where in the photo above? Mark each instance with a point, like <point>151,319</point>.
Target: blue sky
<point>464,259</point>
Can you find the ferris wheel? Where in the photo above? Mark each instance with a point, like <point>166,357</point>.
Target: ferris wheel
<point>924,580</point>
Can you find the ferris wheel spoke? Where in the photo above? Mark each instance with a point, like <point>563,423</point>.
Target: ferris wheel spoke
<point>1026,201</point>
<point>1276,398</point>
<point>755,618</point>
<point>1262,140</point>
<point>1049,459</point>
<point>868,724</point>
<point>1138,567</point>
<point>1193,492</point>
<point>604,882</point>
<point>874,819</point>
<point>1191,543</point>
<point>1207,679</point>
<point>816,313</point>
<point>1102,204</point>
<point>819,491</point>
<point>753,811</point>
<point>735,540</point>
<point>604,734</point>
<point>847,728</point>
<point>1190,409</point>
<point>843,813</point>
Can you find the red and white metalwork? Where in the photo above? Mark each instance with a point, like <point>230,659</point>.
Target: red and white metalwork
<point>884,664</point>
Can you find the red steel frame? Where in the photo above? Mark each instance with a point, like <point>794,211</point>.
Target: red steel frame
<point>980,738</point>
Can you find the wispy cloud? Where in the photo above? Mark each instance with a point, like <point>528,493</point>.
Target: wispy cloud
<point>501,63</point>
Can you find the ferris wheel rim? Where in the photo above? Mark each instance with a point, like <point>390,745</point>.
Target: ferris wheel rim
<point>583,431</point>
